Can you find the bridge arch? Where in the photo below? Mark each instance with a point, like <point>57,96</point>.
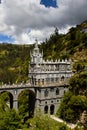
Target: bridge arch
<point>7,97</point>
<point>26,102</point>
<point>15,90</point>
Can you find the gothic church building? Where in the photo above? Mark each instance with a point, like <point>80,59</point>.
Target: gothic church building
<point>50,78</point>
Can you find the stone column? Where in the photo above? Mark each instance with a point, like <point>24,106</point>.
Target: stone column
<point>50,79</point>
<point>15,104</point>
<point>36,82</point>
<point>48,109</point>
<point>44,80</point>
<point>15,99</point>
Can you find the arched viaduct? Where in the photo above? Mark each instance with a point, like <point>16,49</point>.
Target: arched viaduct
<point>46,99</point>
<point>15,90</point>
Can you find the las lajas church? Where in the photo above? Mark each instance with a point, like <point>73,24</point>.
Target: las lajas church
<point>51,79</point>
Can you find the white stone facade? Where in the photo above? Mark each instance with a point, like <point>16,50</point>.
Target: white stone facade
<point>50,78</point>
<point>45,73</point>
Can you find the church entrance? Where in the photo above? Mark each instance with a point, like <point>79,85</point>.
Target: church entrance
<point>46,109</point>
<point>52,107</point>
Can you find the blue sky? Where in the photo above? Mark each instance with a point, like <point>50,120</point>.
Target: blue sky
<point>23,21</point>
<point>5,38</point>
<point>49,3</point>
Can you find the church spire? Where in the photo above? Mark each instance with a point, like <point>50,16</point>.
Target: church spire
<point>36,44</point>
<point>36,56</point>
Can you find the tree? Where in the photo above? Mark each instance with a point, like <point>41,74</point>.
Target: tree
<point>83,120</point>
<point>71,107</point>
<point>63,127</point>
<point>78,83</point>
<point>9,118</point>
<point>64,105</point>
<point>13,119</point>
<point>78,66</point>
<point>23,103</point>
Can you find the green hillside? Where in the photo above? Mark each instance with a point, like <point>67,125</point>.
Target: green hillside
<point>14,62</point>
<point>14,59</point>
<point>72,45</point>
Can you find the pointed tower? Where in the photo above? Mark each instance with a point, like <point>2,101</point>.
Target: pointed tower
<point>35,64</point>
<point>36,57</point>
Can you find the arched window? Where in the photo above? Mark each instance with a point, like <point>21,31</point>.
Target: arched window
<point>38,81</point>
<point>57,91</point>
<point>64,91</point>
<point>62,78</point>
<point>42,81</point>
<point>46,102</point>
<point>46,93</point>
<point>52,101</point>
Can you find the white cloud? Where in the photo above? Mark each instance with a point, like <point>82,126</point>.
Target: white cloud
<point>27,20</point>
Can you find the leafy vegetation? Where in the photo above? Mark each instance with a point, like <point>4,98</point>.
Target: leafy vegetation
<point>23,104</point>
<point>9,119</point>
<point>43,122</point>
<point>74,102</point>
<point>14,63</point>
<point>71,107</point>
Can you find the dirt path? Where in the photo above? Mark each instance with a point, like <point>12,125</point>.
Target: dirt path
<point>70,125</point>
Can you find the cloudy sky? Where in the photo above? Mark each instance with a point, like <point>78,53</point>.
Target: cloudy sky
<point>23,21</point>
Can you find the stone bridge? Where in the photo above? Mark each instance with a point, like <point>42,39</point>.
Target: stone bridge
<point>44,98</point>
<point>15,90</point>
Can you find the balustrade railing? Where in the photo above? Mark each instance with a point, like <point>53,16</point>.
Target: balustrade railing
<point>15,85</point>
